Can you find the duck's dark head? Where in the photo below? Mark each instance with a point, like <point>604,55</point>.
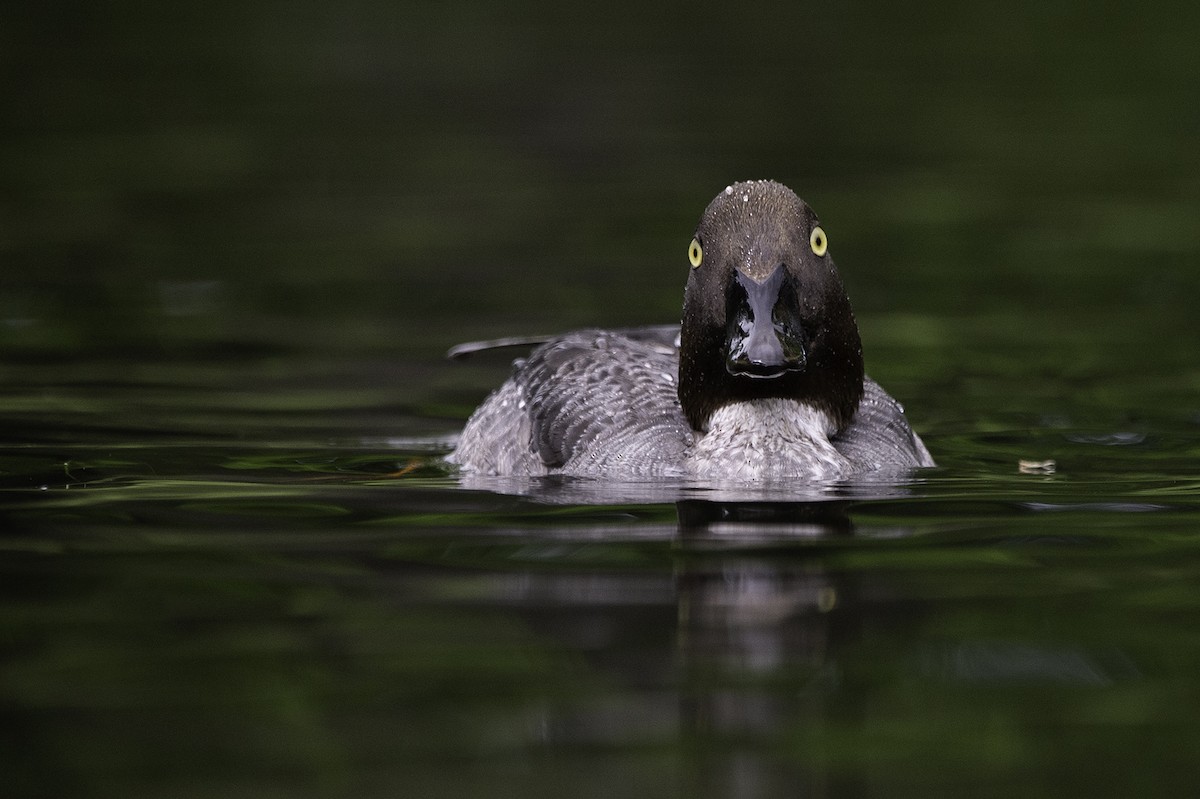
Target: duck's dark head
<point>765,313</point>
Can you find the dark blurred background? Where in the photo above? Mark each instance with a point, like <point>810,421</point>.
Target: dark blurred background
<point>306,189</point>
<point>236,240</point>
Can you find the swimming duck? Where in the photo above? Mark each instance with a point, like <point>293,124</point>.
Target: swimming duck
<point>762,381</point>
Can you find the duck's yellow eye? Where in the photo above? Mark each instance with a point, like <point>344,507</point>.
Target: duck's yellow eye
<point>695,253</point>
<point>818,242</point>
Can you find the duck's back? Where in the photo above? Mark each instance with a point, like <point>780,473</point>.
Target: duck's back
<point>880,438</point>
<point>589,403</point>
<point>598,402</point>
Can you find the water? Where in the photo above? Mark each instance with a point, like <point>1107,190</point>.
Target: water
<point>236,243</point>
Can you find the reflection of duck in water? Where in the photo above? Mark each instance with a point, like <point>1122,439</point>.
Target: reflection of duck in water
<point>763,380</point>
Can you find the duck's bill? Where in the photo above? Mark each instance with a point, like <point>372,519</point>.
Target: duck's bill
<point>764,335</point>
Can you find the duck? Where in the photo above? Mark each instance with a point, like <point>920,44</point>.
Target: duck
<point>762,380</point>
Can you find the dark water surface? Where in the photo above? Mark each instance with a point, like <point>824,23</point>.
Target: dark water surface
<point>236,241</point>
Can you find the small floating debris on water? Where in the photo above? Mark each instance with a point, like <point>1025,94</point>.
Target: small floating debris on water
<point>1037,467</point>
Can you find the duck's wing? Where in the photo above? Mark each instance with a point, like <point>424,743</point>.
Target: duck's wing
<point>606,402</point>
<point>880,436</point>
<point>469,348</point>
<point>665,335</point>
